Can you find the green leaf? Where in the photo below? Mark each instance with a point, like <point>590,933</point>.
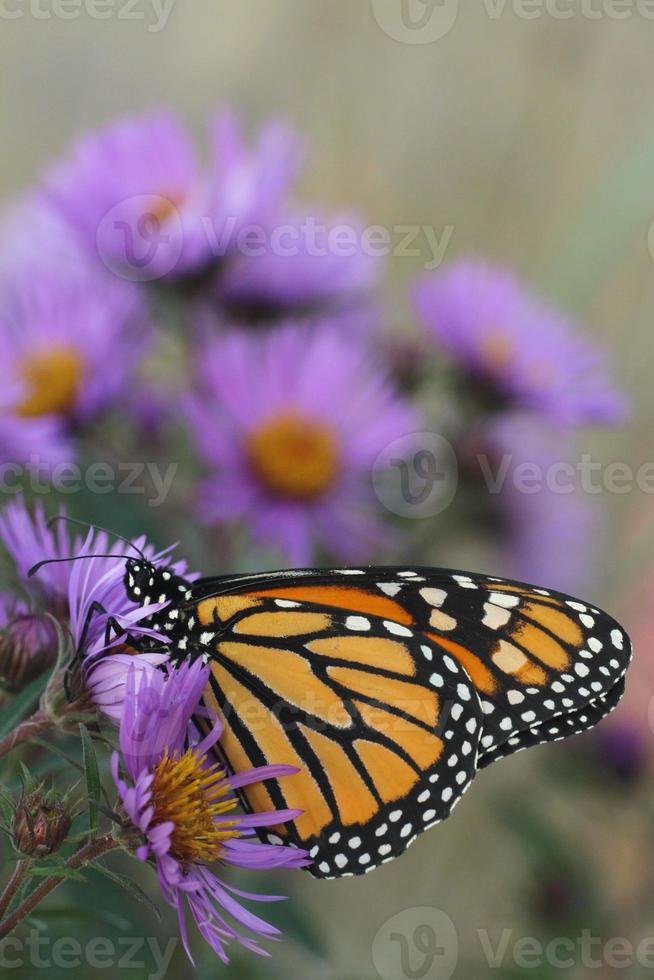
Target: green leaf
<point>21,704</point>
<point>129,886</point>
<point>6,809</point>
<point>64,646</point>
<point>71,761</point>
<point>62,872</point>
<point>111,814</point>
<point>92,772</point>
<point>27,778</point>
<point>52,860</point>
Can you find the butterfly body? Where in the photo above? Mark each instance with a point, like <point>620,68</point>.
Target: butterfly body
<point>387,687</point>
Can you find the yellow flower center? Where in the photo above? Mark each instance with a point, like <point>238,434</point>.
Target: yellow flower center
<point>164,206</point>
<point>294,456</point>
<point>192,795</point>
<point>53,379</point>
<point>497,350</point>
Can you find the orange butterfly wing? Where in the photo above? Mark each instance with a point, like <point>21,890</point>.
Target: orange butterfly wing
<point>388,689</point>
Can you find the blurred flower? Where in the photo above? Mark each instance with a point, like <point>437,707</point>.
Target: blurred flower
<point>250,185</point>
<point>46,310</point>
<point>548,532</point>
<point>34,236</point>
<point>181,810</point>
<point>137,196</point>
<point>39,444</point>
<point>28,644</point>
<point>292,422</point>
<point>69,345</point>
<point>551,540</point>
<point>622,748</point>
<point>300,267</point>
<point>517,350</point>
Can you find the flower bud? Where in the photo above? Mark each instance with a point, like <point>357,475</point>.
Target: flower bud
<point>41,824</point>
<point>28,646</point>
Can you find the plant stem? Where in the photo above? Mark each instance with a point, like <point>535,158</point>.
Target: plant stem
<point>90,851</point>
<point>30,728</point>
<point>13,885</point>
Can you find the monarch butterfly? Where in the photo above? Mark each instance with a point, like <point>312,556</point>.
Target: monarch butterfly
<point>387,687</point>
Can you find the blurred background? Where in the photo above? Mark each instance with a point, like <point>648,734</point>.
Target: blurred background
<point>525,141</point>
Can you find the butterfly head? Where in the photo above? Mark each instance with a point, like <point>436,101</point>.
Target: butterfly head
<point>148,584</point>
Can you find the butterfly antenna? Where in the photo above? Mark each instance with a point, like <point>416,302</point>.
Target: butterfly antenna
<point>96,527</point>
<point>57,561</point>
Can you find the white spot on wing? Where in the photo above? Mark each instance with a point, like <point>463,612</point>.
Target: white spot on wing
<point>617,639</point>
<point>396,628</point>
<point>358,623</point>
<point>435,597</point>
<point>495,617</point>
<point>504,599</point>
<point>389,588</point>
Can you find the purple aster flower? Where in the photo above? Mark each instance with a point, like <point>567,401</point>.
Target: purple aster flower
<point>517,349</point>
<point>300,267</point>
<point>29,539</point>
<point>291,423</point>
<point>32,235</point>
<point>69,345</point>
<point>39,444</point>
<point>99,582</point>
<point>106,673</point>
<point>181,806</point>
<point>37,258</point>
<point>551,539</point>
<point>77,591</point>
<point>138,197</point>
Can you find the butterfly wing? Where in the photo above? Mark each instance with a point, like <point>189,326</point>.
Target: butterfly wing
<point>545,665</point>
<point>384,734</point>
<point>389,687</point>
